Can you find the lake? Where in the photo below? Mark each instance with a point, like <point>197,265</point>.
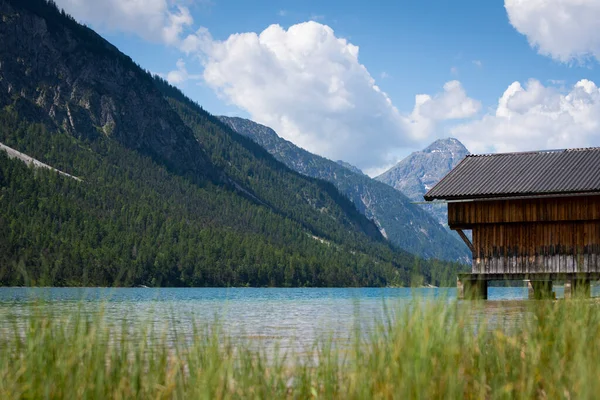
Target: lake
<point>293,318</point>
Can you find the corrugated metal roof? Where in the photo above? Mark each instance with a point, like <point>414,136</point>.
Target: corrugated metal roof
<point>521,174</point>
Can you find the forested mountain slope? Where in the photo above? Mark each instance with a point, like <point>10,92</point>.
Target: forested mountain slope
<point>405,224</point>
<point>170,195</point>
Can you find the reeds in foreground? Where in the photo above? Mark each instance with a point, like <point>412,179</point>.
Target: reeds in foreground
<point>431,350</point>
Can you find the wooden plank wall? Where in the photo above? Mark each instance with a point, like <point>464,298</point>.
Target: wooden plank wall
<point>584,208</point>
<point>537,247</point>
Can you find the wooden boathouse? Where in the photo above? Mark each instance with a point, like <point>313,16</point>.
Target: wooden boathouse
<point>534,216</point>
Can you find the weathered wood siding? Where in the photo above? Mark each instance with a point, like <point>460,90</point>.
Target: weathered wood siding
<point>546,235</point>
<point>585,208</point>
<point>537,247</point>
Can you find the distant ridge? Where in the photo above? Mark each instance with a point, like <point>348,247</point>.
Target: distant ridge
<point>350,167</point>
<point>404,224</point>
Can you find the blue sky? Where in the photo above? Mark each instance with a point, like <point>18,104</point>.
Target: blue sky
<point>407,47</point>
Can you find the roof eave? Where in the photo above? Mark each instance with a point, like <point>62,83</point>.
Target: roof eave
<point>451,199</point>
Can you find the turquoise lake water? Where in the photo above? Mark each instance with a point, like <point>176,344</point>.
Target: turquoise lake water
<point>291,317</point>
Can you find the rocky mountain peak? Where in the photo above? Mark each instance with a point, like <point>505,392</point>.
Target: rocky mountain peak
<point>447,145</point>
<point>421,170</point>
<point>418,172</point>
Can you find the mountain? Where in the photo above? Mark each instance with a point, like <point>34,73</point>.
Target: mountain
<point>403,223</point>
<point>85,86</point>
<point>421,170</point>
<point>167,194</point>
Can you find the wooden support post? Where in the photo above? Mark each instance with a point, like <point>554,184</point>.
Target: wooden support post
<point>530,294</point>
<point>471,289</point>
<point>540,290</point>
<point>568,289</point>
<point>466,240</point>
<point>460,289</point>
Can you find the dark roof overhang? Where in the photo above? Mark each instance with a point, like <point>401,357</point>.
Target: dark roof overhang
<point>518,175</point>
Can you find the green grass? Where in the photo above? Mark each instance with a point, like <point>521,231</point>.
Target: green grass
<point>431,350</point>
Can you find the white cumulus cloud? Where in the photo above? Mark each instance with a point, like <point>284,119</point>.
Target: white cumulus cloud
<point>308,85</point>
<point>153,20</point>
<point>304,82</point>
<point>537,117</point>
<point>566,30</point>
<point>451,104</point>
